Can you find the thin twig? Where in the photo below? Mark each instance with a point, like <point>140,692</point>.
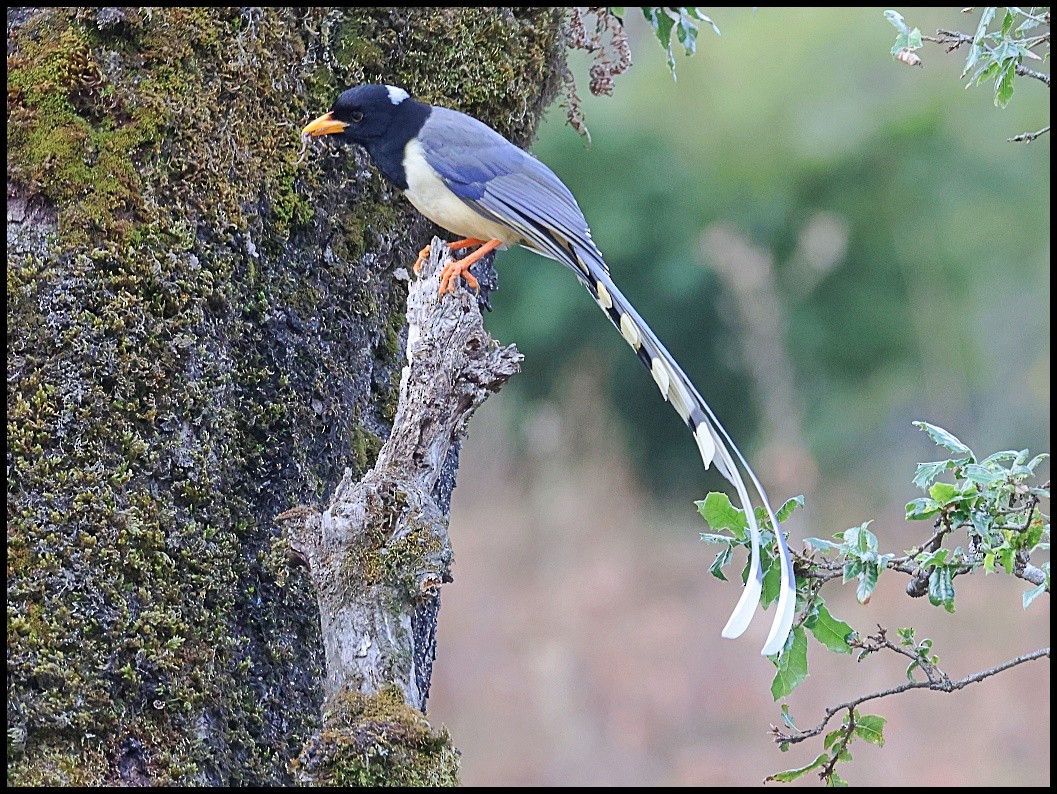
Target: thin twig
<point>1024,71</point>
<point>835,756</point>
<point>944,685</point>
<point>1028,137</point>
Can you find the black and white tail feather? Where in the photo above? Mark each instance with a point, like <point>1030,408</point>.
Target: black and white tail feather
<point>713,442</point>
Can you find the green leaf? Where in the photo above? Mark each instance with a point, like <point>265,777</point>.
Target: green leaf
<point>941,588</point>
<point>983,522</point>
<point>860,539</point>
<point>852,569</point>
<point>923,508</point>
<point>1004,91</point>
<point>720,514</point>
<point>1029,23</point>
<point>928,558</point>
<point>833,737</point>
<point>792,666</point>
<point>724,557</point>
<point>980,474</point>
<point>985,20</point>
<point>831,632</point>
<point>989,562</point>
<point>836,781</point>
<point>696,14</point>
<point>1033,593</point>
<point>910,670</point>
<point>946,440</point>
<point>871,728</point>
<point>772,579</point>
<point>662,26</point>
<point>977,48</point>
<point>988,69</point>
<point>1007,23</point>
<point>1007,557</point>
<point>687,33</point>
<point>927,472</point>
<point>822,545</point>
<point>1008,454</point>
<point>1031,466</point>
<point>970,62</point>
<point>944,493</point>
<point>787,509</point>
<point>897,21</point>
<point>914,41</point>
<point>787,718</point>
<point>1006,51</point>
<point>792,774</point>
<point>867,582</point>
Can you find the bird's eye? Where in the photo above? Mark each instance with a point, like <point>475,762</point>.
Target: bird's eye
<point>356,116</point>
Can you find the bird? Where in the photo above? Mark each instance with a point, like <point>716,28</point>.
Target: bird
<point>468,179</point>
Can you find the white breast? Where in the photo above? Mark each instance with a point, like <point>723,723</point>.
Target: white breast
<point>427,191</point>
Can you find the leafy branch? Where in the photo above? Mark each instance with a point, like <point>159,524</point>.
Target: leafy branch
<point>871,727</point>
<point>994,54</point>
<point>992,507</point>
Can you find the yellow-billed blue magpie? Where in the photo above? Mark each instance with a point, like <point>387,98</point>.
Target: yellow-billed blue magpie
<point>467,178</point>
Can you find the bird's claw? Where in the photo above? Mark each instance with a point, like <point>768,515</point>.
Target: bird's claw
<point>423,255</point>
<point>450,273</point>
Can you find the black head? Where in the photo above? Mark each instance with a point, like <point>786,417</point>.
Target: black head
<point>368,114</point>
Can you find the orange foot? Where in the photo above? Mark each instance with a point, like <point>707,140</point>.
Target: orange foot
<point>459,267</point>
<point>457,245</point>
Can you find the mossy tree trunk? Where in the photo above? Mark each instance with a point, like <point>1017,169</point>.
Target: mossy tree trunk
<point>202,334</point>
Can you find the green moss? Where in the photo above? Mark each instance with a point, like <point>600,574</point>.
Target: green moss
<point>365,448</point>
<point>378,741</point>
<point>58,766</point>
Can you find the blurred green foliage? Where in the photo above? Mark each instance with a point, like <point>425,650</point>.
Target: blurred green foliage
<point>938,307</point>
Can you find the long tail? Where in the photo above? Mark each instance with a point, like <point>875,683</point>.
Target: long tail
<point>713,441</point>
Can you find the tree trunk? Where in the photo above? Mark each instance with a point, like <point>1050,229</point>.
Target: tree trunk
<point>203,333</point>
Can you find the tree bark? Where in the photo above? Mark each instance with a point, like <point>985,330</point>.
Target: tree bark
<point>204,332</point>
<point>380,551</point>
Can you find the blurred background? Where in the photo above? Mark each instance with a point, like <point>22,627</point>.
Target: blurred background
<point>833,245</point>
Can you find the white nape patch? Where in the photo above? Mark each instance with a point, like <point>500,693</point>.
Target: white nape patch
<point>397,95</point>
<point>605,300</point>
<point>706,444</point>
<point>660,374</point>
<point>630,331</point>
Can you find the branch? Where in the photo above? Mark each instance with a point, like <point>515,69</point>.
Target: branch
<point>1028,137</point>
<point>937,681</point>
<point>1024,71</point>
<point>952,40</point>
<point>380,551</point>
<point>381,546</point>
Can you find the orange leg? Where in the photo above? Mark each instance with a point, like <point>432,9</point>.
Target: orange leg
<point>421,259</point>
<point>461,267</point>
<point>458,245</point>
